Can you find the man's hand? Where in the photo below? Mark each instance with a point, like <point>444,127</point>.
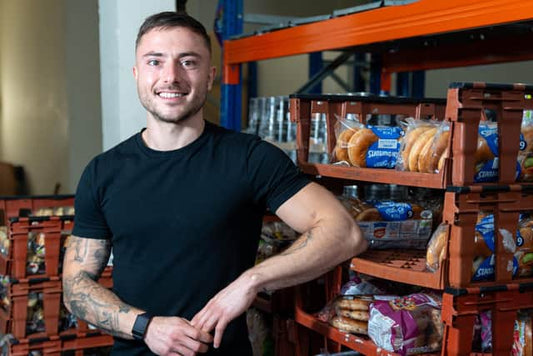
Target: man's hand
<point>227,305</point>
<point>176,336</point>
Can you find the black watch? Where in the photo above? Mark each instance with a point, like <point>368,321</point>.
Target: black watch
<point>140,326</point>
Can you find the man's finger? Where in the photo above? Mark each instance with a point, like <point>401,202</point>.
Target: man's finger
<point>219,332</point>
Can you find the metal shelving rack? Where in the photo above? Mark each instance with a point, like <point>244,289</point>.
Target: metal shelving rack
<point>421,35</point>
<point>417,36</point>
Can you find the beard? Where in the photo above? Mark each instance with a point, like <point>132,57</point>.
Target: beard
<point>185,112</point>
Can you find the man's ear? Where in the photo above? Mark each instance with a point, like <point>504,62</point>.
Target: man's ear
<point>135,73</point>
<point>211,77</point>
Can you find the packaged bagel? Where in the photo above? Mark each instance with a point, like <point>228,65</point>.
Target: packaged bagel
<point>424,146</point>
<point>349,311</point>
<point>344,130</point>
<point>486,156</point>
<point>375,146</point>
<point>436,250</point>
<point>521,244</point>
<point>525,155</point>
<point>389,224</point>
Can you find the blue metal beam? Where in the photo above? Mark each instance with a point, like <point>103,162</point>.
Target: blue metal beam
<point>231,12</point>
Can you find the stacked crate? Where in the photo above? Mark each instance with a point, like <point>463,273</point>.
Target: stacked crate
<point>32,315</point>
<point>463,298</point>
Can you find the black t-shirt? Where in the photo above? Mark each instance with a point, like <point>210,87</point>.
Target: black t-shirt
<point>183,223</point>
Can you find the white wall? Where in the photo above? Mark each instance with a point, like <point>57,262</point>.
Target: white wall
<point>122,114</point>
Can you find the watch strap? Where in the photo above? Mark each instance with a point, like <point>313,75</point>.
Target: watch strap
<point>141,324</point>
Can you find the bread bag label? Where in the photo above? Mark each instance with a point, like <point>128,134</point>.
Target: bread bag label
<point>393,211</point>
<point>484,266</point>
<point>384,152</point>
<point>406,325</point>
<point>487,171</point>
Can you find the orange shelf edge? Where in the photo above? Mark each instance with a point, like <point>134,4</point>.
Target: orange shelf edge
<point>376,175</point>
<point>425,17</point>
<point>354,342</point>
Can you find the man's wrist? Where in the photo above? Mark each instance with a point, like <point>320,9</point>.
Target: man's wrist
<point>141,325</point>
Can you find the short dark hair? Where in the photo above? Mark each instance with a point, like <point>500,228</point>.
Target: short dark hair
<point>170,19</point>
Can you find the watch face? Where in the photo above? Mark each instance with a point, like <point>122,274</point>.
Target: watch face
<point>140,326</point>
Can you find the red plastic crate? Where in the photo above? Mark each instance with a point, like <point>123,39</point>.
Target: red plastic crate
<point>304,106</point>
<point>57,345</point>
<point>461,214</point>
<point>52,229</point>
<point>14,319</point>
<point>466,105</point>
<point>460,307</point>
<point>21,206</point>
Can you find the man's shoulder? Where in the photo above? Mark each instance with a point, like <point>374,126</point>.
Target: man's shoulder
<point>231,137</point>
<point>116,153</point>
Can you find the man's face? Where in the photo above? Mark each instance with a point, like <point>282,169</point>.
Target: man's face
<point>173,74</point>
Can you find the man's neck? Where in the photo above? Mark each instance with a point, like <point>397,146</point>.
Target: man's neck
<point>162,136</point>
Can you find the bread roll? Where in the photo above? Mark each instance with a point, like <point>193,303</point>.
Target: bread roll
<point>418,146</point>
<point>358,146</point>
<point>341,148</point>
<point>349,325</point>
<point>408,141</point>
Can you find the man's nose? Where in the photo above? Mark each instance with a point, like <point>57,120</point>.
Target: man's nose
<point>171,73</point>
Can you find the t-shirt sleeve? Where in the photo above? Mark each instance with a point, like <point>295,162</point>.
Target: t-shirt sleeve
<point>89,221</point>
<point>274,177</point>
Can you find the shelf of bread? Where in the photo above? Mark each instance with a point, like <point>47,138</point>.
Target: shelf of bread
<point>357,343</point>
<point>486,239</point>
<point>482,134</point>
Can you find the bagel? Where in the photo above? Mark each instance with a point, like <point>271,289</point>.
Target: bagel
<point>349,325</point>
<point>370,214</point>
<point>358,146</point>
<point>357,303</point>
<point>527,132</point>
<point>436,248</point>
<point>442,159</point>
<point>341,148</point>
<point>425,155</point>
<point>483,152</point>
<point>418,146</point>
<point>440,145</point>
<point>353,314</point>
<point>408,141</point>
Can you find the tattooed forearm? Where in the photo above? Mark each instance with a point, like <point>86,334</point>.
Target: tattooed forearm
<point>85,259</point>
<point>298,244</point>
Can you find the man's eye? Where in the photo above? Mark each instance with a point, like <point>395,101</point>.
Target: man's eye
<point>189,63</point>
<point>153,62</point>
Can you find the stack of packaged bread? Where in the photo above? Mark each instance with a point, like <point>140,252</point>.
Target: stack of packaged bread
<point>520,243</point>
<point>424,145</point>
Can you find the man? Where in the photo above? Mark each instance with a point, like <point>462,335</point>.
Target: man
<point>181,204</point>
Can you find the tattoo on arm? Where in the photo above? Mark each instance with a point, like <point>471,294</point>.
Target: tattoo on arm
<point>87,299</point>
<point>299,244</point>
